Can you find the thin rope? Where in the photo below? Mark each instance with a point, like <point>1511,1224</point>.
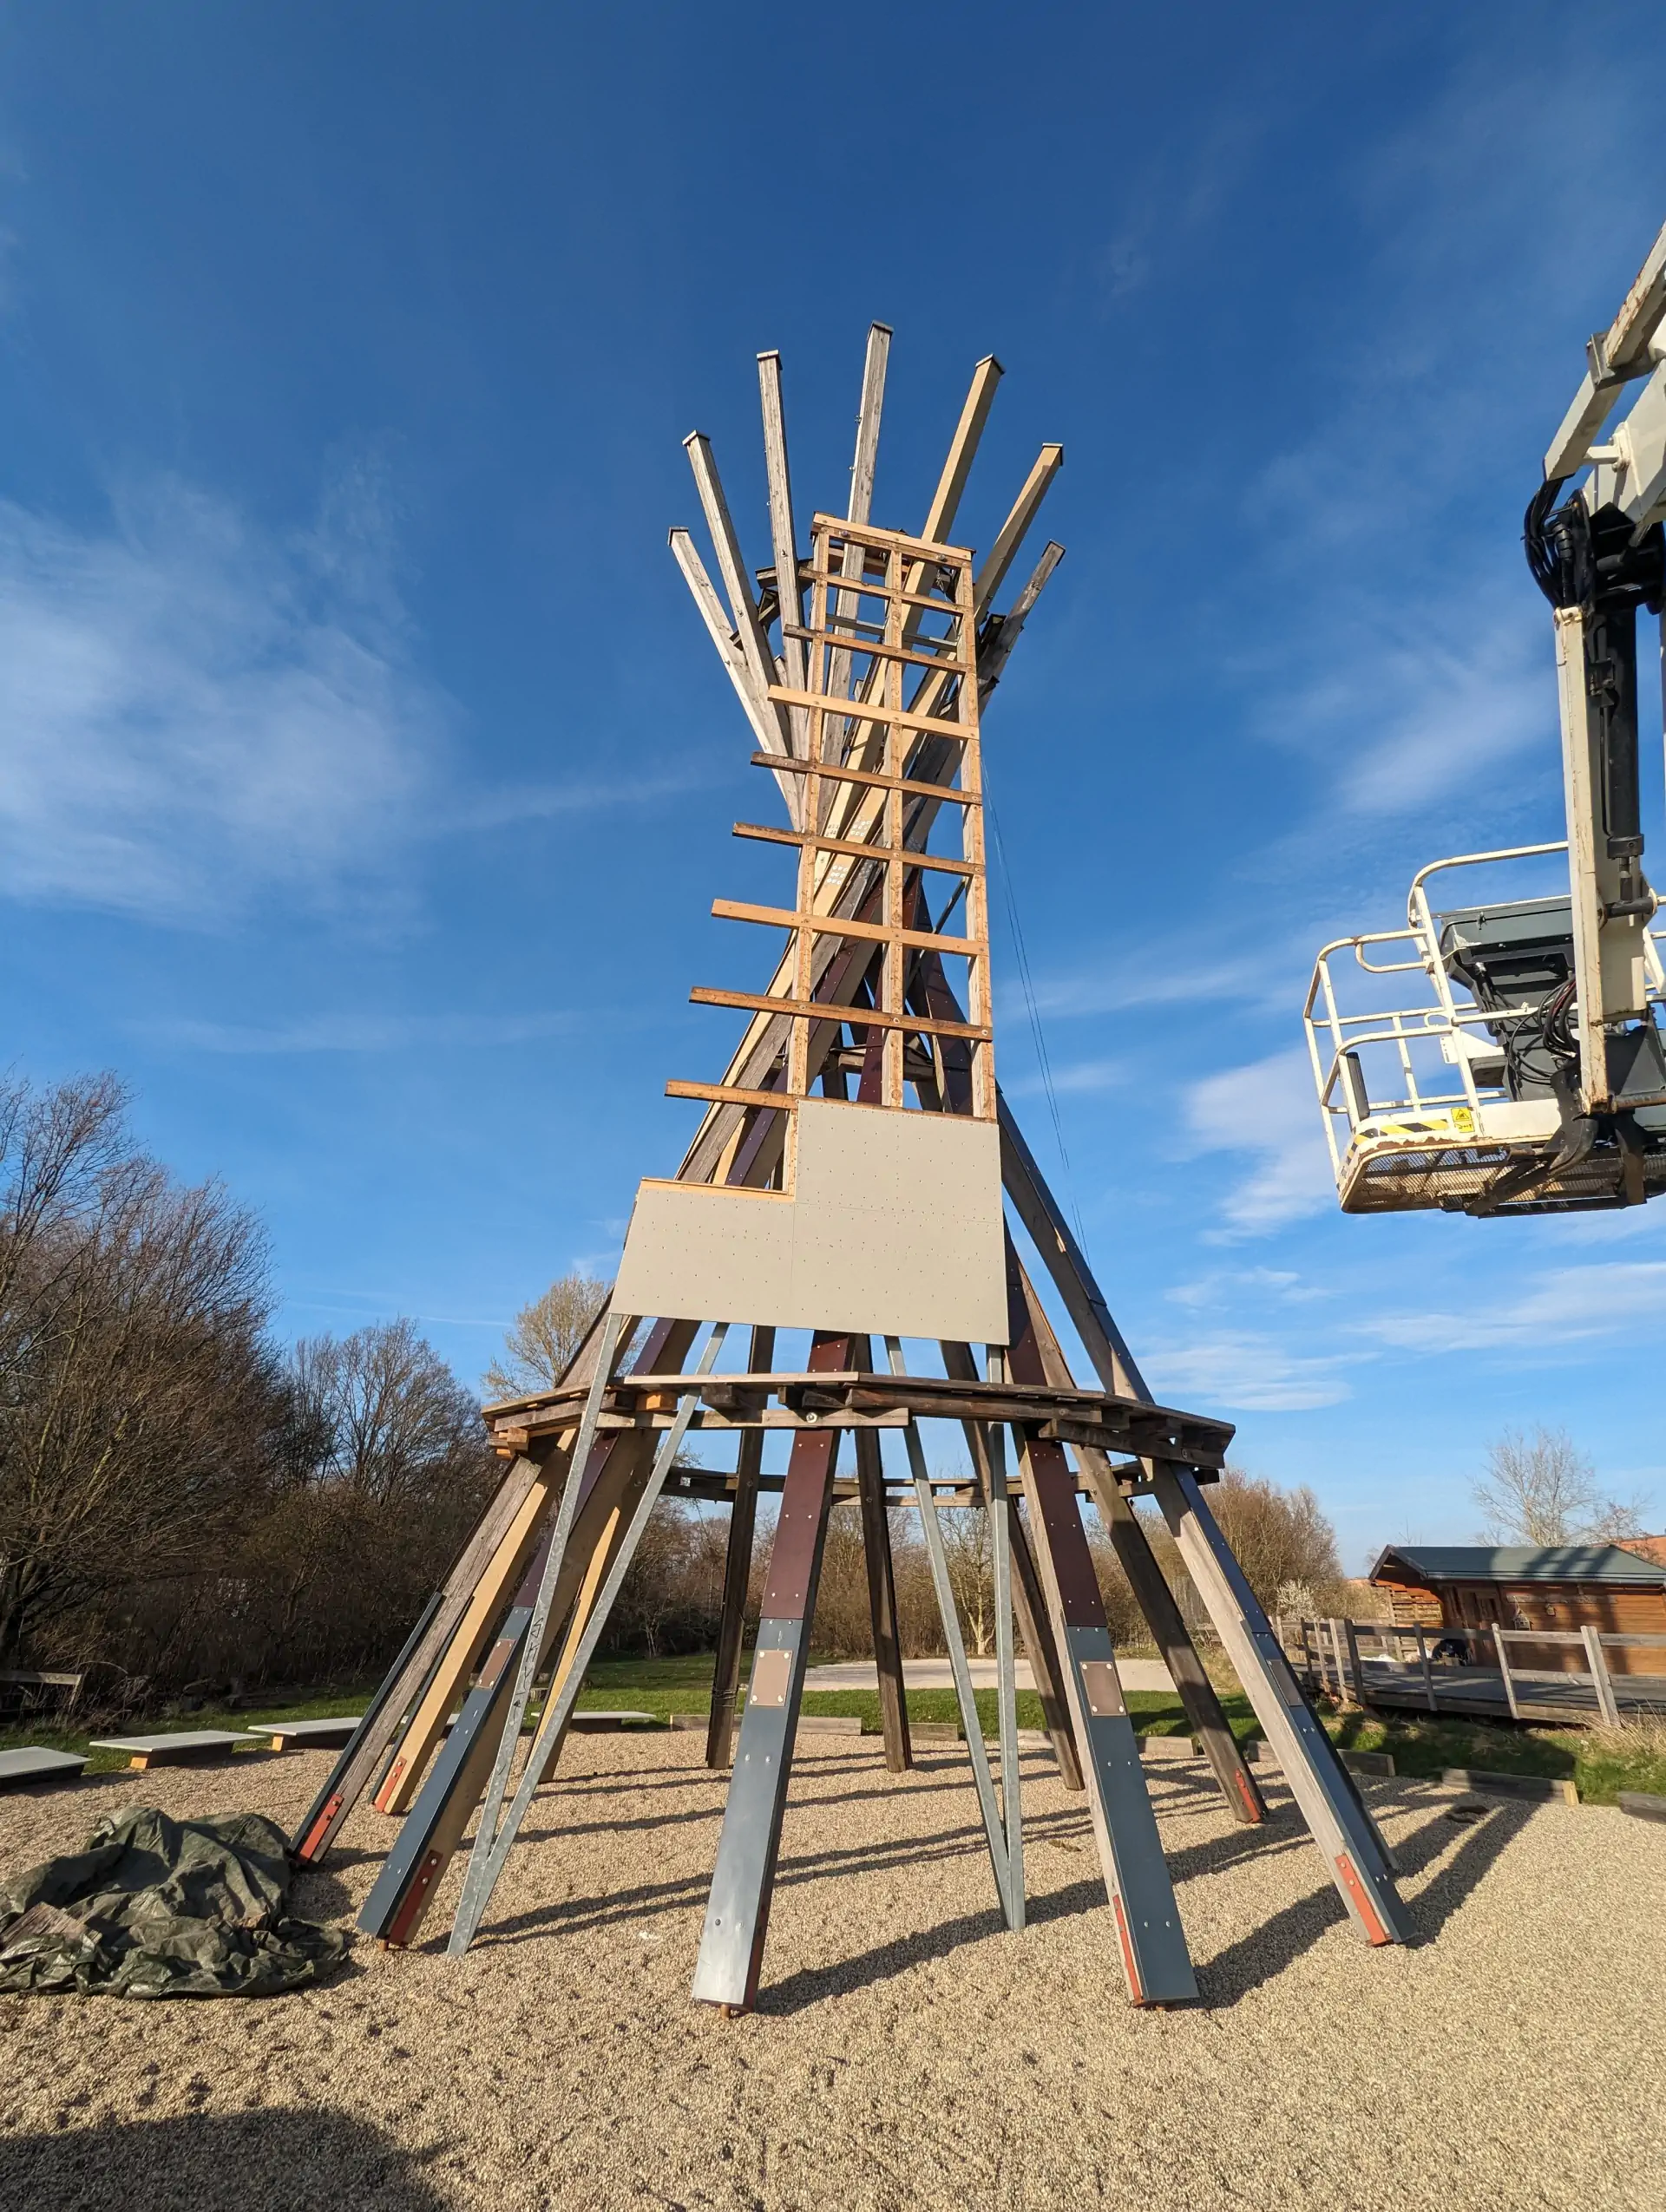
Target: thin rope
<point>1027,983</point>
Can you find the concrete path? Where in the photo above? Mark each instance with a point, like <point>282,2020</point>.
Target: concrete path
<point>935,1674</point>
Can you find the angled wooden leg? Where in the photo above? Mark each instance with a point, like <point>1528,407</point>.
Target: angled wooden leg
<point>738,1913</point>
<point>1156,1603</point>
<point>1340,1822</point>
<point>882,1590</point>
<point>364,1760</point>
<point>434,1826</point>
<point>457,1778</point>
<point>1029,1600</point>
<point>1152,1593</point>
<point>600,1560</point>
<point>426,1726</point>
<point>738,1572</point>
<point>1154,1956</point>
<point>1354,1853</point>
<point>495,1838</point>
<point>1008,1872</point>
<point>317,1816</point>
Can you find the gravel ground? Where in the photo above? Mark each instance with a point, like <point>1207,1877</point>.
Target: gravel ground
<point>907,2052</point>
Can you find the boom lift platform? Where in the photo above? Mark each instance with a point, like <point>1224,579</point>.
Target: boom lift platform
<point>1527,1074</point>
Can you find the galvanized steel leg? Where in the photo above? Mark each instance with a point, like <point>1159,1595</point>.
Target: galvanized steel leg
<point>1009,1891</point>
<point>738,1911</point>
<point>1155,1962</point>
<point>1011,1790</point>
<point>434,1827</point>
<point>493,1843</point>
<point>737,1571</point>
<point>1332,1807</point>
<point>882,1592</point>
<point>1330,1803</point>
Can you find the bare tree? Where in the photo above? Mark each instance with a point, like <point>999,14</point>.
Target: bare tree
<point>969,1544</point>
<point>388,1466</point>
<point>1278,1536</point>
<point>140,1405</point>
<point>539,1346</point>
<point>1542,1490</point>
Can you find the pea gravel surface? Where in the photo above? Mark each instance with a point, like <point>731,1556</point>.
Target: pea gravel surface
<point>907,2051</point>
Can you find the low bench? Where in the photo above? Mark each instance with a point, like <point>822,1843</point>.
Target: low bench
<point>597,1722</point>
<point>190,1747</point>
<point>310,1735</point>
<point>35,1763</point>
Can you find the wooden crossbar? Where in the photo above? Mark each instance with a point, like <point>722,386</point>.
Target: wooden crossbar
<point>838,925</point>
<point>851,586</point>
<point>874,778</point>
<point>872,1017</point>
<point>865,710</point>
<point>839,532</point>
<point>912,856</point>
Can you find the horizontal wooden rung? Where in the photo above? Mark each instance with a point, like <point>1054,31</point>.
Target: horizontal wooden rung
<point>820,1010</point>
<point>874,588</point>
<point>732,1094</point>
<point>871,710</point>
<point>835,925</point>
<point>909,656</point>
<point>840,531</point>
<point>909,854</point>
<point>947,792</point>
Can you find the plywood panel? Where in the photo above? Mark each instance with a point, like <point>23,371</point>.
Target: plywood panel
<point>893,1226</point>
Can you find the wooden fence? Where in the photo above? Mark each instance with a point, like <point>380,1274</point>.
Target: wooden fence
<point>1380,1664</point>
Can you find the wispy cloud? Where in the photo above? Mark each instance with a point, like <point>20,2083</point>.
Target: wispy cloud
<point>1223,1285</point>
<point>513,803</point>
<point>1266,1109</point>
<point>192,711</point>
<point>1409,714</point>
<point>1251,1373</point>
<point>197,714</point>
<point>1088,1077</point>
<point>354,1032</point>
<point>1151,975</point>
<point>1562,1306</point>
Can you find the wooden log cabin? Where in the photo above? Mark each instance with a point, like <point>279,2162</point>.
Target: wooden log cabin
<point>1558,1588</point>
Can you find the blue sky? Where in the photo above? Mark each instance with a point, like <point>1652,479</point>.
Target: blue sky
<point>367,775</point>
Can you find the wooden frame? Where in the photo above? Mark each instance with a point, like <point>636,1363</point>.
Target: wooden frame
<point>871,728</point>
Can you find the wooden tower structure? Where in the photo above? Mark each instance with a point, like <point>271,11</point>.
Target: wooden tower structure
<point>850,1178</point>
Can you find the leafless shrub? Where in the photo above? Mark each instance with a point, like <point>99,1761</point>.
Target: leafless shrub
<point>178,1499</point>
<point>139,1403</point>
<point>1542,1490</point>
<point>539,1346</point>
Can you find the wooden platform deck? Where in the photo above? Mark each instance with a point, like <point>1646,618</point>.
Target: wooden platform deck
<point>1479,1691</point>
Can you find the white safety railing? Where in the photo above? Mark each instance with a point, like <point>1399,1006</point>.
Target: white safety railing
<point>1430,1048</point>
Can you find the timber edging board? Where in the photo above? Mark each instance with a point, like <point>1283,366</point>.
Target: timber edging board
<point>1542,1788</point>
<point>1641,1806</point>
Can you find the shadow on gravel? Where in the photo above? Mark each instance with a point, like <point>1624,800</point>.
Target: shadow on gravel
<point>1267,1950</point>
<point>813,1985</point>
<point>243,2161</point>
<point>1480,1851</point>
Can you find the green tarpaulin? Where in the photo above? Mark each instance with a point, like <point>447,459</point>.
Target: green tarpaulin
<point>161,1908</point>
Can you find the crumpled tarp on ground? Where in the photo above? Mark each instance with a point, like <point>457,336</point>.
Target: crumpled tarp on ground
<point>161,1908</point>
